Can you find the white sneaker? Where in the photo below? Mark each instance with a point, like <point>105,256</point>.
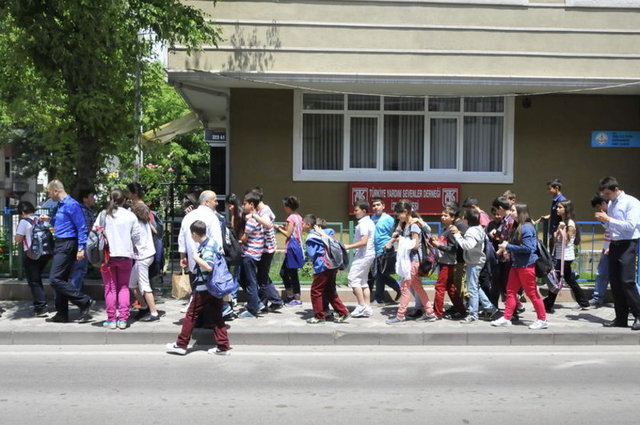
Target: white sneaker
<point>501,322</point>
<point>219,352</point>
<point>539,324</point>
<point>359,311</point>
<point>368,311</point>
<point>173,348</point>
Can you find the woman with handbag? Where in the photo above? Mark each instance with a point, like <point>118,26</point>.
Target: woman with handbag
<point>294,256</point>
<point>564,255</point>
<point>122,232</point>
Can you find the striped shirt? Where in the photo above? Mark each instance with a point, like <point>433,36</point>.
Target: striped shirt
<point>270,243</point>
<point>255,245</point>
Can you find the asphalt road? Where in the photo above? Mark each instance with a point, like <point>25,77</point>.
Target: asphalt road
<point>320,385</point>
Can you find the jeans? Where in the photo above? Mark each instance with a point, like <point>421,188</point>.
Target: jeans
<point>64,256</point>
<point>33,272</point>
<point>446,284</point>
<point>249,268</point>
<point>602,280</point>
<point>78,272</point>
<point>267,292</point>
<point>476,295</point>
<point>290,279</point>
<point>115,276</point>
<point>382,280</point>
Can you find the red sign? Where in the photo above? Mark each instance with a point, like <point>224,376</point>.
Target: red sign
<point>427,198</point>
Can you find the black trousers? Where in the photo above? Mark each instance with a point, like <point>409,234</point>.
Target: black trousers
<point>622,275</point>
<point>64,256</point>
<point>33,272</point>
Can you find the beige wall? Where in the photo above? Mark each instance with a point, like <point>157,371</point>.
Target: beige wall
<point>552,139</point>
<point>399,37</point>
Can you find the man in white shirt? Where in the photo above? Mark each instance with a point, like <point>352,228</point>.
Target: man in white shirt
<point>205,213</point>
<point>366,254</point>
<point>622,220</point>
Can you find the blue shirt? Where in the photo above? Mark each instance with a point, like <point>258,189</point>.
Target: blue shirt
<point>69,222</point>
<point>384,229</point>
<point>524,255</point>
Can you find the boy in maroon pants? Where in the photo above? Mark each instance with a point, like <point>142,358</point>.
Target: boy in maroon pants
<point>204,259</point>
<point>324,280</point>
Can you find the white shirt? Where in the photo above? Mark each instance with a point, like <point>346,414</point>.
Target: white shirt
<point>25,229</point>
<point>145,247</point>
<point>365,227</point>
<point>625,218</point>
<point>122,232</point>
<point>186,244</point>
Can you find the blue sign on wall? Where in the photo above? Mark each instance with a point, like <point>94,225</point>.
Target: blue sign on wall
<point>615,139</point>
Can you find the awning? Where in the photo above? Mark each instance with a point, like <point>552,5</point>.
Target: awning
<point>168,131</point>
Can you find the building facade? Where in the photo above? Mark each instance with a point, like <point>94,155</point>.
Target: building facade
<point>311,96</point>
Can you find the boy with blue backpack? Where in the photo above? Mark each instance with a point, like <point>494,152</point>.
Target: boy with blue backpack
<point>205,259</point>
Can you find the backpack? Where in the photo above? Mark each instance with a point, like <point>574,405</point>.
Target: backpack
<point>97,245</point>
<point>429,258</point>
<point>158,260</point>
<point>41,243</point>
<point>544,263</point>
<point>336,256</point>
<point>231,246</point>
<point>220,282</point>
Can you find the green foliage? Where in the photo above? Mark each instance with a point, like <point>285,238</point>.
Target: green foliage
<point>67,72</point>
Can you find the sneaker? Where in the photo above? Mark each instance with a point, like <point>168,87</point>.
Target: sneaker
<point>454,315</point>
<point>427,318</point>
<point>358,311</point>
<point>416,313</point>
<point>341,319</point>
<point>489,314</point>
<point>469,319</point>
<point>539,324</point>
<point>368,311</point>
<point>275,307</point>
<point>315,321</point>
<point>109,324</point>
<point>219,352</point>
<point>520,309</point>
<point>262,308</point>
<point>150,318</point>
<point>246,315</point>
<point>395,320</point>
<point>227,310</point>
<point>141,313</point>
<point>174,349</point>
<point>501,322</point>
<point>121,324</point>
<point>84,311</point>
<point>58,318</point>
<point>595,303</point>
<point>294,303</point>
<point>42,312</point>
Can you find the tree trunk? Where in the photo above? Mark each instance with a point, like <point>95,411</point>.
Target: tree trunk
<point>87,163</point>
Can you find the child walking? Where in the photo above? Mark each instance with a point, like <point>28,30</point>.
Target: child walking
<point>292,230</point>
<point>323,286</point>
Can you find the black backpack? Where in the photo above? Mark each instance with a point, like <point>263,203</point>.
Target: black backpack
<point>158,260</point>
<point>544,263</point>
<point>41,243</point>
<point>429,258</point>
<point>231,246</point>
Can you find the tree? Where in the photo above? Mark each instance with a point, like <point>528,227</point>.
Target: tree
<point>68,69</point>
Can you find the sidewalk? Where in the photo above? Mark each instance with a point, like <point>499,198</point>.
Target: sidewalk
<point>288,327</point>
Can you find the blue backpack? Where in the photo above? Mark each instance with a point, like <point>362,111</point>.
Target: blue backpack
<point>41,243</point>
<point>220,282</point>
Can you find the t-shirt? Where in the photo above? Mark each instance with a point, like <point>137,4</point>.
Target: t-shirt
<point>254,246</point>
<point>207,252</point>
<point>569,250</point>
<point>296,220</point>
<point>25,229</point>
<point>365,227</point>
<point>384,229</point>
<point>270,243</point>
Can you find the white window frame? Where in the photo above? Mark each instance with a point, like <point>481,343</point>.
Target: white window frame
<point>380,175</point>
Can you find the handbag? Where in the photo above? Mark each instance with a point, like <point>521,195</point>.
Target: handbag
<point>553,279</point>
<point>294,257</point>
<point>180,285</point>
<point>386,262</point>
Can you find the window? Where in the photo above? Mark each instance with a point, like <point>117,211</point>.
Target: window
<point>414,138</point>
